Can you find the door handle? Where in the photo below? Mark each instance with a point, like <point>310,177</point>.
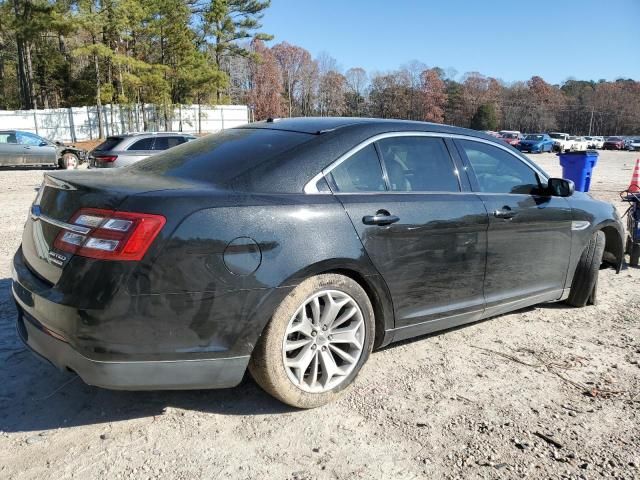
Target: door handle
<point>382,217</point>
<point>27,148</point>
<point>505,213</point>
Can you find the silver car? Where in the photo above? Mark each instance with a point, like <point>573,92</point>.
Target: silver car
<point>129,148</point>
<point>19,148</point>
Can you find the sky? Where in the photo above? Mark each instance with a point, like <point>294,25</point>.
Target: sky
<point>509,40</point>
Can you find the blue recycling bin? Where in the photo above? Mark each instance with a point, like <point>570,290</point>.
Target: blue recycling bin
<point>578,166</point>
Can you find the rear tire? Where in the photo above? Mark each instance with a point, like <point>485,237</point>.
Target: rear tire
<point>69,161</point>
<point>322,333</point>
<point>585,278</point>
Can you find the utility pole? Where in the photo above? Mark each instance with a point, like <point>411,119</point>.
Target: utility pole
<point>591,121</point>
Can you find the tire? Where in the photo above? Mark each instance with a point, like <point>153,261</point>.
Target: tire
<point>634,255</point>
<point>299,387</point>
<point>69,161</point>
<point>585,278</point>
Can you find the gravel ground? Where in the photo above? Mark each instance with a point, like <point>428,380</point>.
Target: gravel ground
<point>545,392</point>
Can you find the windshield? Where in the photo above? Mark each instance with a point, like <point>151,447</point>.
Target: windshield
<point>558,136</point>
<point>614,139</point>
<point>533,137</point>
<point>509,135</point>
<point>220,157</point>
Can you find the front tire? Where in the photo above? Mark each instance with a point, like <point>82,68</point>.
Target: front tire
<point>69,161</point>
<point>317,341</point>
<point>585,278</point>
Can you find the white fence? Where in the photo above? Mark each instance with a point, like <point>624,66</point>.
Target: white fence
<point>81,123</point>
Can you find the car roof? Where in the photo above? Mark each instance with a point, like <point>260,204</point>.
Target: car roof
<point>150,134</point>
<point>324,125</point>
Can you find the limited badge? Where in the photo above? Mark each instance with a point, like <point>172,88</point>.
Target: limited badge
<point>57,258</point>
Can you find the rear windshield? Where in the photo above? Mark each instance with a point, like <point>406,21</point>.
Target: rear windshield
<point>533,137</point>
<point>108,144</point>
<point>222,156</point>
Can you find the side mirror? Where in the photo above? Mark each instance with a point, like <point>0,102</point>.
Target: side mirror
<point>43,144</point>
<point>559,187</point>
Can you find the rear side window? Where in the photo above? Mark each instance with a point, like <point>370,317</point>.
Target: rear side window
<point>418,164</point>
<point>220,157</point>
<point>109,144</point>
<point>163,143</point>
<point>8,137</point>
<point>144,144</point>
<point>361,172</point>
<point>497,170</point>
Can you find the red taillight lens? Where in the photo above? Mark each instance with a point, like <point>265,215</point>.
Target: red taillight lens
<point>106,158</point>
<point>111,235</point>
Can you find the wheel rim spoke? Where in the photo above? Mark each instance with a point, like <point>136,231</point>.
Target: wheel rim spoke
<point>329,367</point>
<point>348,314</point>
<point>348,335</point>
<point>323,341</point>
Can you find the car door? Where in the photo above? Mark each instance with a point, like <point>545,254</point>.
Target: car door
<point>529,238</point>
<point>36,150</point>
<point>165,142</point>
<point>138,150</point>
<point>11,152</point>
<point>423,230</point>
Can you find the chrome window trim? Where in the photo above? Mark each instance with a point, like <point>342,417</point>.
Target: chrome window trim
<point>312,188</point>
<point>37,215</point>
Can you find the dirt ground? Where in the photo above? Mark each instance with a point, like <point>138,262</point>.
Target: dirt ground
<point>504,398</point>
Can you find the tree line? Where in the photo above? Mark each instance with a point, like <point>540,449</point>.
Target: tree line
<point>61,53</point>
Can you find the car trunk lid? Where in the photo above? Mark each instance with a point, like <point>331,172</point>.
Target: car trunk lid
<point>61,195</point>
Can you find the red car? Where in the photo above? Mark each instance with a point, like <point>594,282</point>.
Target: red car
<point>512,138</point>
<point>613,143</point>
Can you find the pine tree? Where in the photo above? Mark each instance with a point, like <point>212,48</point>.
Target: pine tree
<point>227,22</point>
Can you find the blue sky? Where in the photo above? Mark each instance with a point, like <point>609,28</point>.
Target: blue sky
<point>510,40</point>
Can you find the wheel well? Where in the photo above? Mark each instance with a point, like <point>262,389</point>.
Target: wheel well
<point>374,297</point>
<point>613,247</point>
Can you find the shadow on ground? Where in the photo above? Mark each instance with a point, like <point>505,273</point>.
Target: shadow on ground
<point>36,396</point>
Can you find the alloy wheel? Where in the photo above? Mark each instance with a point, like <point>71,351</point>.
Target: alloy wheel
<point>324,341</point>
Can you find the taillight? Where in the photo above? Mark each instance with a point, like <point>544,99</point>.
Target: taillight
<point>110,235</point>
<point>106,158</point>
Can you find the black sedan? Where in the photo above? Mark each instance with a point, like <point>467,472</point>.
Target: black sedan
<point>294,248</point>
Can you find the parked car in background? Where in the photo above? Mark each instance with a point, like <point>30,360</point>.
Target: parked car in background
<point>633,144</point>
<point>18,148</point>
<point>513,138</point>
<point>536,143</point>
<point>579,144</point>
<point>492,133</point>
<point>561,142</point>
<point>281,247</point>
<point>595,142</point>
<point>129,148</point>
<point>613,143</point>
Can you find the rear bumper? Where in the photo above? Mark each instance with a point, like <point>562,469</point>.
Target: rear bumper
<point>139,375</point>
<point>40,325</point>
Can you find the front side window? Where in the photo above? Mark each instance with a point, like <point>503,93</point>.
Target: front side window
<point>28,139</point>
<point>498,171</point>
<point>418,164</point>
<point>361,172</point>
<point>144,144</point>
